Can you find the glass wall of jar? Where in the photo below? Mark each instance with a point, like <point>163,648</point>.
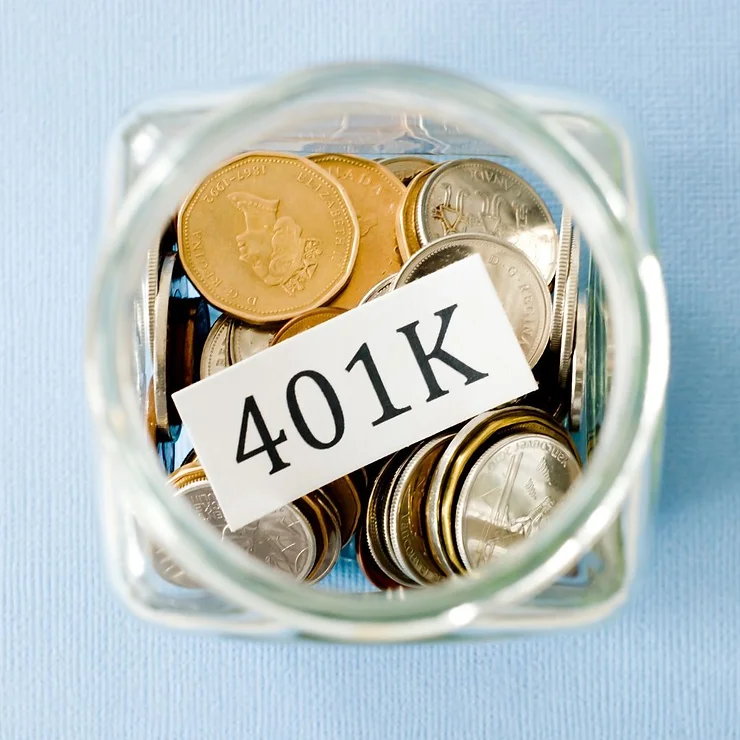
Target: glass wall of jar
<point>578,564</point>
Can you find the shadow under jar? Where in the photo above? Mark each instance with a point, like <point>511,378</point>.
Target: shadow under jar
<point>577,565</point>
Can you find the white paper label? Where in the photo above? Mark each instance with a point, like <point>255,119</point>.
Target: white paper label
<point>354,389</point>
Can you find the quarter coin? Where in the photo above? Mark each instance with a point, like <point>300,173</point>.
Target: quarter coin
<point>565,247</point>
<point>519,285</point>
<point>268,236</point>
<point>578,372</point>
<point>569,310</point>
<point>406,167</point>
<point>375,194</point>
<point>480,196</point>
<point>216,355</point>
<point>508,493</point>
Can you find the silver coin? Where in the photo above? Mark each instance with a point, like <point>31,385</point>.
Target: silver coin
<point>216,354</point>
<point>415,565</point>
<point>383,287</point>
<point>247,340</point>
<point>436,488</point>
<point>406,167</point>
<point>569,310</point>
<point>161,309</point>
<point>170,571</point>
<point>565,246</point>
<point>384,520</point>
<point>519,285</point>
<point>283,538</point>
<point>578,372</point>
<point>480,196</point>
<point>334,537</point>
<point>509,492</point>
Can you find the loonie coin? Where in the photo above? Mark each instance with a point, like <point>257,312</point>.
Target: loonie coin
<point>565,247</point>
<point>216,355</point>
<point>383,287</point>
<point>246,341</point>
<point>407,167</point>
<point>519,285</point>
<point>406,231</point>
<point>268,236</point>
<point>578,372</point>
<point>508,493</point>
<point>304,322</point>
<point>375,194</point>
<point>374,520</point>
<point>480,196</point>
<point>345,496</point>
<point>166,429</point>
<point>569,310</point>
<point>406,527</point>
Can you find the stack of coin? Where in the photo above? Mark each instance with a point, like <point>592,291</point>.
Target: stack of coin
<point>280,243</point>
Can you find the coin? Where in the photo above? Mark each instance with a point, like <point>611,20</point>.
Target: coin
<point>407,167</point>
<point>565,246</point>
<point>480,196</point>
<point>345,496</point>
<point>406,528</point>
<point>216,355</point>
<point>304,322</point>
<point>368,565</point>
<point>578,372</point>
<point>512,421</point>
<point>166,429</point>
<point>333,535</point>
<point>374,520</point>
<point>247,341</point>
<point>508,493</point>
<point>383,287</point>
<point>569,310</point>
<point>188,326</point>
<point>325,530</point>
<point>406,231</point>
<point>519,285</point>
<point>268,236</point>
<point>375,194</point>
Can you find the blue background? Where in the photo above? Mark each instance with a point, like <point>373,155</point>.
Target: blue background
<point>75,664</point>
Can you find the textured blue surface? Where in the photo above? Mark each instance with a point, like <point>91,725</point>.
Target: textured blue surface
<point>75,665</point>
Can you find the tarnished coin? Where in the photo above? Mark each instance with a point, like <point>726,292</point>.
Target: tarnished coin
<point>167,430</point>
<point>407,234</point>
<point>406,526</point>
<point>565,246</point>
<point>508,493</point>
<point>368,565</point>
<point>247,341</point>
<point>578,370</point>
<point>383,287</point>
<point>304,322</point>
<point>268,236</point>
<point>407,167</point>
<point>375,194</point>
<point>569,310</point>
<point>216,354</point>
<point>374,520</point>
<point>480,196</point>
<point>519,285</point>
<point>188,326</point>
<point>345,496</point>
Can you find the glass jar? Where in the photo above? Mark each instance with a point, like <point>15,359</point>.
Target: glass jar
<point>575,570</point>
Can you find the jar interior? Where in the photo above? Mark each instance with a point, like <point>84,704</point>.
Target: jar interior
<point>373,136</point>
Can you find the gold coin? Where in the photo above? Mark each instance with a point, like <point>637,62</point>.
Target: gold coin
<point>187,474</point>
<point>268,236</point>
<point>317,517</point>
<point>304,322</point>
<point>407,167</point>
<point>375,194</point>
<point>344,495</point>
<point>406,232</point>
<point>333,535</point>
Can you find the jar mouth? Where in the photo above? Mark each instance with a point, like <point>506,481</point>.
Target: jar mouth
<point>631,278</point>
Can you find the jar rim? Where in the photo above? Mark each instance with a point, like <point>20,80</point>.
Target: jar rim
<point>619,248</point>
